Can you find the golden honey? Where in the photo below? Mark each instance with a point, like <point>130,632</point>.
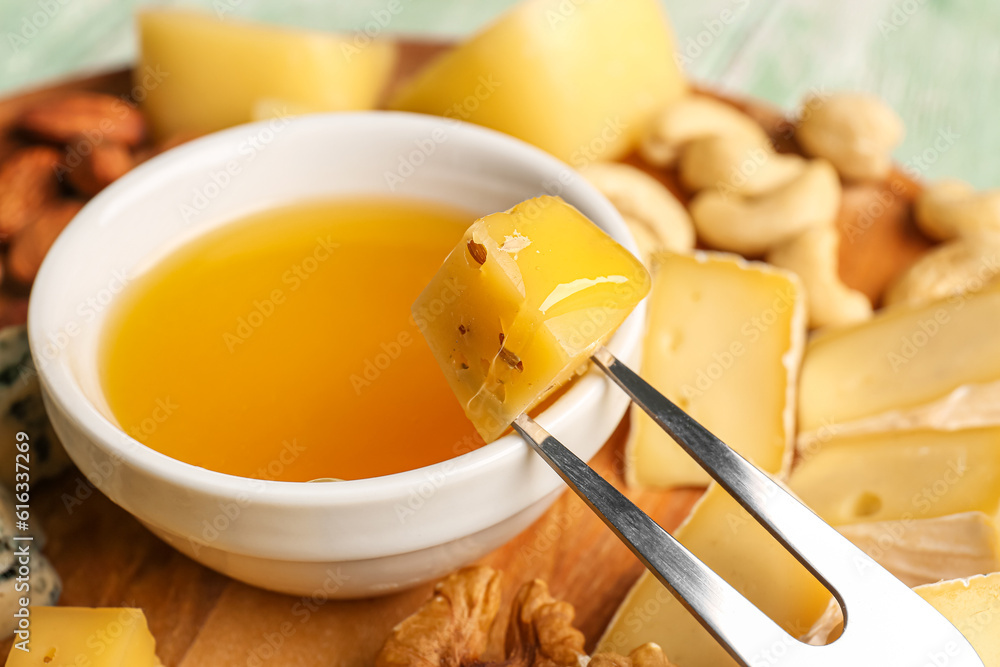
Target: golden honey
<point>281,346</point>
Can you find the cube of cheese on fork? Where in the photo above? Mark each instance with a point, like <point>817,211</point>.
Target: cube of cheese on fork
<point>521,303</point>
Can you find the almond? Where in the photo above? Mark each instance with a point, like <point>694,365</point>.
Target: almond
<point>27,182</point>
<point>29,246</point>
<point>172,141</point>
<point>93,117</point>
<point>104,165</point>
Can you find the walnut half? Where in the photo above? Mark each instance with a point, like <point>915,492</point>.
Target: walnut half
<point>452,628</point>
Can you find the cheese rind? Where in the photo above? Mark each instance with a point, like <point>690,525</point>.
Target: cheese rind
<point>578,79</point>
<point>898,363</point>
<point>724,536</point>
<point>901,474</point>
<point>924,551</point>
<point>973,606</point>
<point>724,342</point>
<point>520,304</point>
<point>73,636</point>
<point>199,74</point>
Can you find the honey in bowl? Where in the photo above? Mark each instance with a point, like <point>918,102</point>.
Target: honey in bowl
<point>281,346</point>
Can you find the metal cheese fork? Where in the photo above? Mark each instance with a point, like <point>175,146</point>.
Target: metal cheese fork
<point>886,624</point>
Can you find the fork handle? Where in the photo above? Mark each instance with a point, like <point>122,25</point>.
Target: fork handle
<point>703,592</point>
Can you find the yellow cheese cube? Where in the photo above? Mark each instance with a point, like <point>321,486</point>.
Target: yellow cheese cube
<point>199,74</point>
<point>728,540</point>
<point>724,343</point>
<point>520,304</point>
<point>907,367</point>
<point>899,475</point>
<point>74,636</point>
<point>580,79</point>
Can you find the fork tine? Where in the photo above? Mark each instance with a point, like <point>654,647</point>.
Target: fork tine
<point>885,622</point>
<point>705,594</point>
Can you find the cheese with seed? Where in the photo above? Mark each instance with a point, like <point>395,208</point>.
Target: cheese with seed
<point>936,366</point>
<point>901,474</point>
<point>78,637</point>
<point>724,343</point>
<point>521,303</point>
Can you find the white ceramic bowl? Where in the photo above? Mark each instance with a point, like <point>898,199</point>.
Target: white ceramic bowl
<point>338,540</point>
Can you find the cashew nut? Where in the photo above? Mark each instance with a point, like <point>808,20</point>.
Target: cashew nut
<point>964,265</point>
<point>694,117</point>
<point>813,256</point>
<point>854,131</point>
<point>657,220</point>
<point>948,209</point>
<point>736,164</point>
<point>752,225</point>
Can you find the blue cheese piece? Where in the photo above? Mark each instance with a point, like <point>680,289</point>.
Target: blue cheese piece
<point>21,409</point>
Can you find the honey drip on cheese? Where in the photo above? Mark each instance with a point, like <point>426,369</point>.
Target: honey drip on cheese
<point>281,346</point>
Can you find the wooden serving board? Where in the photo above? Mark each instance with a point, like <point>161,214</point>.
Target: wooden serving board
<point>201,618</point>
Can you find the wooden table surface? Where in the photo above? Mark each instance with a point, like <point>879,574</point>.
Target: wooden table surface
<point>935,61</point>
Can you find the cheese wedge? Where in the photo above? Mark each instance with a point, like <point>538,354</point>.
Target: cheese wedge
<point>972,605</point>
<point>724,536</point>
<point>902,475</point>
<point>521,303</point>
<point>936,366</point>
<point>579,79</point>
<point>724,342</point>
<point>75,636</point>
<point>198,74</point>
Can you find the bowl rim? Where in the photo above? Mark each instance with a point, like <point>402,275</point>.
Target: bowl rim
<point>63,387</point>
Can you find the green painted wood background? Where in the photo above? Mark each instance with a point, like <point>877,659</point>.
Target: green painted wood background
<point>937,62</point>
